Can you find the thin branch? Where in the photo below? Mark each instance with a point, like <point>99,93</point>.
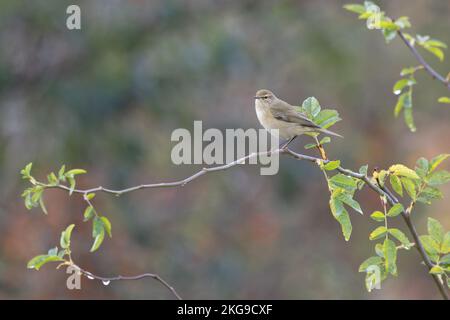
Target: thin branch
<point>422,61</point>
<point>90,275</point>
<point>392,200</point>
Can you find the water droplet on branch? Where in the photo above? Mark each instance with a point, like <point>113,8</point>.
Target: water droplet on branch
<point>106,282</point>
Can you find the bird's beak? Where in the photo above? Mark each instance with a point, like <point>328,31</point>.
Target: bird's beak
<point>257,97</point>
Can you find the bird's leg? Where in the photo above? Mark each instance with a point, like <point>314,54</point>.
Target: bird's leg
<point>286,144</point>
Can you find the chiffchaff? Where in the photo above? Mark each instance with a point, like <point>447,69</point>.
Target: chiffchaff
<point>274,113</point>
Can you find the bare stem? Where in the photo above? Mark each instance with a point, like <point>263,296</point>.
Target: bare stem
<point>90,275</point>
<point>422,61</point>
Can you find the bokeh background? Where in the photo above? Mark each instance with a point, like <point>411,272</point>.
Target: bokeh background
<point>107,98</point>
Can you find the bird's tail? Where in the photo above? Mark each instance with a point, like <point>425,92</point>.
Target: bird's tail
<point>329,132</point>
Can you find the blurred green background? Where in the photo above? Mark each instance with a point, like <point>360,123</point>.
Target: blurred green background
<point>106,98</point>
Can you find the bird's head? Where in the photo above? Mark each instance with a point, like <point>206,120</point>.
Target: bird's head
<point>265,97</point>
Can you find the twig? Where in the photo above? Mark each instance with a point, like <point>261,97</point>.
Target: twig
<point>422,61</point>
<point>90,275</point>
<point>392,200</point>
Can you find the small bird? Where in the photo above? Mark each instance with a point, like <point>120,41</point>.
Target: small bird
<point>274,113</point>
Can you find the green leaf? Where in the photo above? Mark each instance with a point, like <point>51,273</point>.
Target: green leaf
<point>395,210</point>
<point>325,140</point>
<point>409,186</point>
<point>378,216</point>
<point>74,172</point>
<point>372,261</point>
<point>422,167</point>
<point>61,173</point>
<point>26,172</point>
<point>445,246</point>
<point>445,259</point>
<point>378,233</point>
<point>343,181</point>
<point>390,256</point>
<point>401,84</point>
<point>428,194</point>
<point>107,225</point>
<point>363,169</point>
<point>438,177</point>
<point>72,184</point>
<point>348,200</point>
<point>436,43</point>
<point>310,146</point>
<point>90,196</point>
<point>404,171</point>
<point>98,241</point>
<point>52,179</point>
<point>38,261</point>
<point>97,227</point>
<point>436,270</point>
<point>435,230</point>
<point>430,245</point>
<point>410,70</point>
<point>404,101</point>
<point>326,118</point>
<point>436,161</point>
<point>396,184</point>
<point>53,251</point>
<point>88,213</point>
<point>341,215</point>
<point>332,165</point>
<point>65,237</point>
<point>379,249</point>
<point>403,22</point>
<point>409,119</point>
<point>357,8</point>
<point>400,236</point>
<point>42,204</point>
<point>444,100</point>
<point>311,107</point>
<point>436,51</point>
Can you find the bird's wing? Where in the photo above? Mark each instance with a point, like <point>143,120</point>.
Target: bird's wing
<point>285,112</point>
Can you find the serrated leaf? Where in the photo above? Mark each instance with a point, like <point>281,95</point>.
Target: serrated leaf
<point>75,172</point>
<point>436,51</point>
<point>390,256</point>
<point>400,236</point>
<point>372,261</point>
<point>422,167</point>
<point>310,146</point>
<point>436,161</point>
<point>378,233</point>
<point>332,165</point>
<point>438,177</point>
<point>356,8</point>
<point>445,246</point>
<point>404,171</point>
<point>430,245</point>
<point>348,200</point>
<point>395,210</point>
<point>311,107</point>
<point>65,237</point>
<point>409,186</point>
<point>396,184</point>
<point>38,261</point>
<point>88,213</point>
<point>343,181</point>
<point>436,270</point>
<point>107,225</point>
<point>326,118</point>
<point>378,216</point>
<point>435,230</point>
<point>98,241</point>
